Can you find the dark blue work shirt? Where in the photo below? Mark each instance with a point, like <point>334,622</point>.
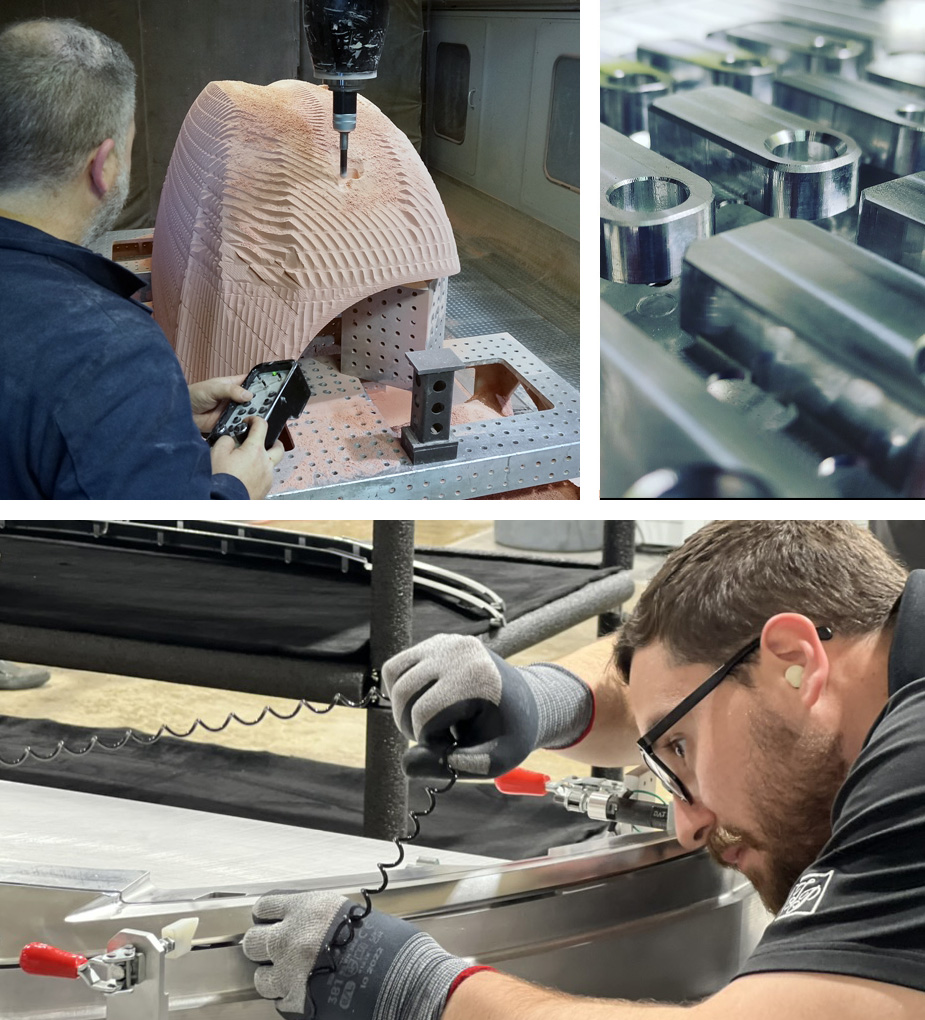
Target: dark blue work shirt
<point>94,402</point>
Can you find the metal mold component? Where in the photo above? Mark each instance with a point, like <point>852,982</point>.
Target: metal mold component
<point>892,221</point>
<point>777,162</point>
<point>903,71</point>
<point>822,324</point>
<point>889,128</point>
<point>427,440</point>
<point>561,919</point>
<point>651,210</point>
<point>657,416</point>
<point>800,48</point>
<point>348,451</point>
<point>627,89</point>
<point>712,62</point>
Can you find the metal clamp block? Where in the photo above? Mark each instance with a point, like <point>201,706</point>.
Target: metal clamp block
<point>890,132</point>
<point>776,162</point>
<point>627,90</point>
<point>427,440</point>
<point>651,210</point>
<point>800,48</point>
<point>712,62</point>
<point>902,71</point>
<point>892,221</point>
<point>821,324</point>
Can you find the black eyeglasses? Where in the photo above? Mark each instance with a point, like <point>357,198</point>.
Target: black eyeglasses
<point>646,742</point>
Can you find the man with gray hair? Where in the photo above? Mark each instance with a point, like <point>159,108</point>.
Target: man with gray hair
<point>95,403</point>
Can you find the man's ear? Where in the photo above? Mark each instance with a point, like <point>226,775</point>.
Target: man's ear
<point>101,176</point>
<point>795,652</point>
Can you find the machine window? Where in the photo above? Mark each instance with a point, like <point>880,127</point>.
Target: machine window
<point>451,91</point>
<point>562,141</point>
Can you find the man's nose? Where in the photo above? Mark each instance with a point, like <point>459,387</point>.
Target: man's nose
<point>693,823</point>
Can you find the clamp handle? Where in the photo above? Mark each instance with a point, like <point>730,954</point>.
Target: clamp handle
<point>47,961</point>
<point>524,782</point>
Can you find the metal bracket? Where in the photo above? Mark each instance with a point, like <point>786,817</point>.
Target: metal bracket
<point>651,210</point>
<point>627,90</point>
<point>820,323</point>
<point>712,62</point>
<point>800,47</point>
<point>903,71</point>
<point>777,162</point>
<point>889,129</point>
<point>892,221</point>
<point>426,440</point>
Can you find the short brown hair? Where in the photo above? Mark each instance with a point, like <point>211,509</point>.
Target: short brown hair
<point>715,593</point>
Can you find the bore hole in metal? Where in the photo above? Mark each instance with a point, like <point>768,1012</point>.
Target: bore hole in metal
<point>631,81</point>
<point>806,146</point>
<point>912,112</point>
<point>439,385</point>
<point>648,194</point>
<point>436,428</point>
<point>437,408</point>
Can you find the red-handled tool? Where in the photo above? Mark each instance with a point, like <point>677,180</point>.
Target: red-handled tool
<point>524,782</point>
<point>47,961</point>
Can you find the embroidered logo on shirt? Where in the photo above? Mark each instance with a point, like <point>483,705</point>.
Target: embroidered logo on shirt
<point>807,893</point>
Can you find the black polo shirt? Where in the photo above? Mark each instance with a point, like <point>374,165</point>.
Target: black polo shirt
<point>94,403</point>
<point>859,909</point>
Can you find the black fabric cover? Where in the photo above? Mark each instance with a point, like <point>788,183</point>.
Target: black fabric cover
<point>211,602</point>
<point>472,817</point>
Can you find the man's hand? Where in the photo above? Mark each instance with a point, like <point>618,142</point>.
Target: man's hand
<point>393,969</point>
<point>210,396</point>
<point>451,689</point>
<point>249,462</point>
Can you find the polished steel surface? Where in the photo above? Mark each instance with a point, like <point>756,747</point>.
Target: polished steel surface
<point>822,324</point>
<point>903,71</point>
<point>892,221</point>
<point>661,424</point>
<point>776,162</point>
<point>888,126</point>
<point>560,919</point>
<point>712,62</point>
<point>627,90</point>
<point>651,210</point>
<point>800,48</point>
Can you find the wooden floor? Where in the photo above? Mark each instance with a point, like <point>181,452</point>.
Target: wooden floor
<point>103,700</point>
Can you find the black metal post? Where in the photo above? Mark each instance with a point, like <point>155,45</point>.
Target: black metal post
<point>619,550</point>
<point>385,798</point>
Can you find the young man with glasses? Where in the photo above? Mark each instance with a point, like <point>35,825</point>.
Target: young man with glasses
<point>776,672</point>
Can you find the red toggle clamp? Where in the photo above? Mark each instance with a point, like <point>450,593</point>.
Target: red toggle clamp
<point>47,961</point>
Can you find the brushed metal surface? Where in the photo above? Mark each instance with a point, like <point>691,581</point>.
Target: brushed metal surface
<point>796,47</point>
<point>775,161</point>
<point>892,221</point>
<point>627,90</point>
<point>651,210</point>
<point>888,126</point>
<point>712,62</point>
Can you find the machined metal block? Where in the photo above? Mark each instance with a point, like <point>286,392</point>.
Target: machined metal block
<point>892,221</point>
<point>651,210</point>
<point>799,47</point>
<point>627,90</point>
<point>662,427</point>
<point>903,71</point>
<point>428,438</point>
<point>712,62</point>
<point>889,127</point>
<point>821,324</point>
<point>775,161</point>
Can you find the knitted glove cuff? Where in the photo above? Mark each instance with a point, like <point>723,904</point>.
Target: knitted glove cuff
<point>418,981</point>
<point>565,705</point>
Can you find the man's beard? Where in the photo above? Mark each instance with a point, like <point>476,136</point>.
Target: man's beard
<point>110,207</point>
<point>793,781</point>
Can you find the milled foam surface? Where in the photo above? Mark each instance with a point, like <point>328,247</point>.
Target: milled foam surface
<point>260,243</point>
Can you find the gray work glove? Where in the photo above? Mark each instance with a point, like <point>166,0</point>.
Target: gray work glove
<point>389,970</point>
<point>451,688</point>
